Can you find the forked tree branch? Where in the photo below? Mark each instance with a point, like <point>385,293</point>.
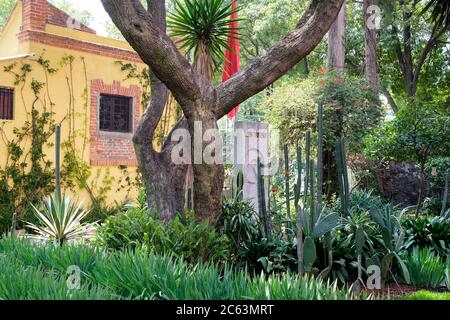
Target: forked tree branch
<point>157,50</point>
<point>155,47</point>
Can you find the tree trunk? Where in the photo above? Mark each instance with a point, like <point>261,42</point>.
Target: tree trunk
<point>207,164</point>
<point>157,168</point>
<point>199,99</point>
<point>336,61</point>
<point>336,43</point>
<point>370,33</point>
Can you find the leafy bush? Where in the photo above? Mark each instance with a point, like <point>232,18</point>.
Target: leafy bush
<point>425,232</point>
<point>143,275</point>
<point>239,222</point>
<point>136,228</point>
<point>127,229</point>
<point>426,269</point>
<point>274,255</point>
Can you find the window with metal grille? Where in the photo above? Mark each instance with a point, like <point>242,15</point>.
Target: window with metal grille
<point>116,113</point>
<point>6,104</point>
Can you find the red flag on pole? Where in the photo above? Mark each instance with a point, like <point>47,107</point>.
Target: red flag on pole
<point>232,57</point>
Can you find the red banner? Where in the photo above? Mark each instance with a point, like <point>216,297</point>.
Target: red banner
<point>232,62</point>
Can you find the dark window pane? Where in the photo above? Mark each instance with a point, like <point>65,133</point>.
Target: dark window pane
<point>115,113</point>
<point>6,103</point>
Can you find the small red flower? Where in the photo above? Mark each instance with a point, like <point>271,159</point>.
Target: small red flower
<point>322,84</point>
<point>274,190</point>
<point>322,71</point>
<point>337,80</point>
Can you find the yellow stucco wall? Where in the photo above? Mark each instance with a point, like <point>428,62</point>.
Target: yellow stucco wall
<point>96,67</point>
<point>9,45</point>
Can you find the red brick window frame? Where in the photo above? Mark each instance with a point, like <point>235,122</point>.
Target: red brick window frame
<point>112,148</point>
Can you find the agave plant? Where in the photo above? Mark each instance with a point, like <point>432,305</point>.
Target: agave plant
<point>60,221</point>
<point>202,28</point>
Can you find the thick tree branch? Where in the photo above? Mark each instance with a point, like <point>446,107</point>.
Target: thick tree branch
<point>265,70</point>
<point>435,35</point>
<point>155,48</point>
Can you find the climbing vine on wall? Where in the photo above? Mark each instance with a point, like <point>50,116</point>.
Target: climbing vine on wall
<point>27,175</point>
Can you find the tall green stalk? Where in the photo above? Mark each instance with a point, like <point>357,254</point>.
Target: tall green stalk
<point>342,175</point>
<point>319,160</point>
<point>445,196</point>
<point>298,212</point>
<point>286,183</point>
<point>262,200</point>
<point>58,163</point>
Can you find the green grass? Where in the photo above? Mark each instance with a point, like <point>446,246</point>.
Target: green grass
<point>38,272</point>
<point>427,295</point>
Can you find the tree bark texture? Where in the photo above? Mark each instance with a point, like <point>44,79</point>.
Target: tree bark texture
<point>336,43</point>
<point>371,59</point>
<point>199,99</point>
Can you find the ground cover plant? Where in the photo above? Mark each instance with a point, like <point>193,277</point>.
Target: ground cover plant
<point>141,275</point>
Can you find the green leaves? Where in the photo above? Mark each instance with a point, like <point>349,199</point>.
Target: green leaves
<point>60,221</point>
<point>324,225</point>
<point>142,275</point>
<point>193,22</point>
<point>426,268</point>
<point>309,253</point>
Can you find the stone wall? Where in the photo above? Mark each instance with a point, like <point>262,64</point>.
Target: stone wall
<point>399,182</point>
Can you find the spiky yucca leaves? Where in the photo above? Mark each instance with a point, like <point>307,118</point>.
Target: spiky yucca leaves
<point>202,27</point>
<point>60,221</point>
<point>440,12</point>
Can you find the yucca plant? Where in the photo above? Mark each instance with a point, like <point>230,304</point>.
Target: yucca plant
<point>202,28</point>
<point>60,221</point>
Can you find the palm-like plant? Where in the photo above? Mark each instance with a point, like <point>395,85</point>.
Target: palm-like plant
<point>60,221</point>
<point>202,28</point>
<point>440,13</point>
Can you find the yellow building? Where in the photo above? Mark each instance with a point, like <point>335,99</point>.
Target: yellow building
<point>95,87</point>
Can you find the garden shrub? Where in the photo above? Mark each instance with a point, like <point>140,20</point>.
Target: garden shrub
<point>426,269</point>
<point>427,232</point>
<point>239,222</point>
<point>274,255</point>
<point>142,275</point>
<point>137,227</point>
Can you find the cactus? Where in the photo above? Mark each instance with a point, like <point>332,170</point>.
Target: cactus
<point>190,207</point>
<point>315,225</point>
<point>319,160</point>
<point>14,224</point>
<point>360,238</point>
<point>237,186</point>
<point>298,213</point>
<point>342,175</point>
<point>445,196</point>
<point>286,183</point>
<point>312,212</point>
<point>308,155</point>
<point>58,163</point>
<point>309,254</point>
<point>262,200</point>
